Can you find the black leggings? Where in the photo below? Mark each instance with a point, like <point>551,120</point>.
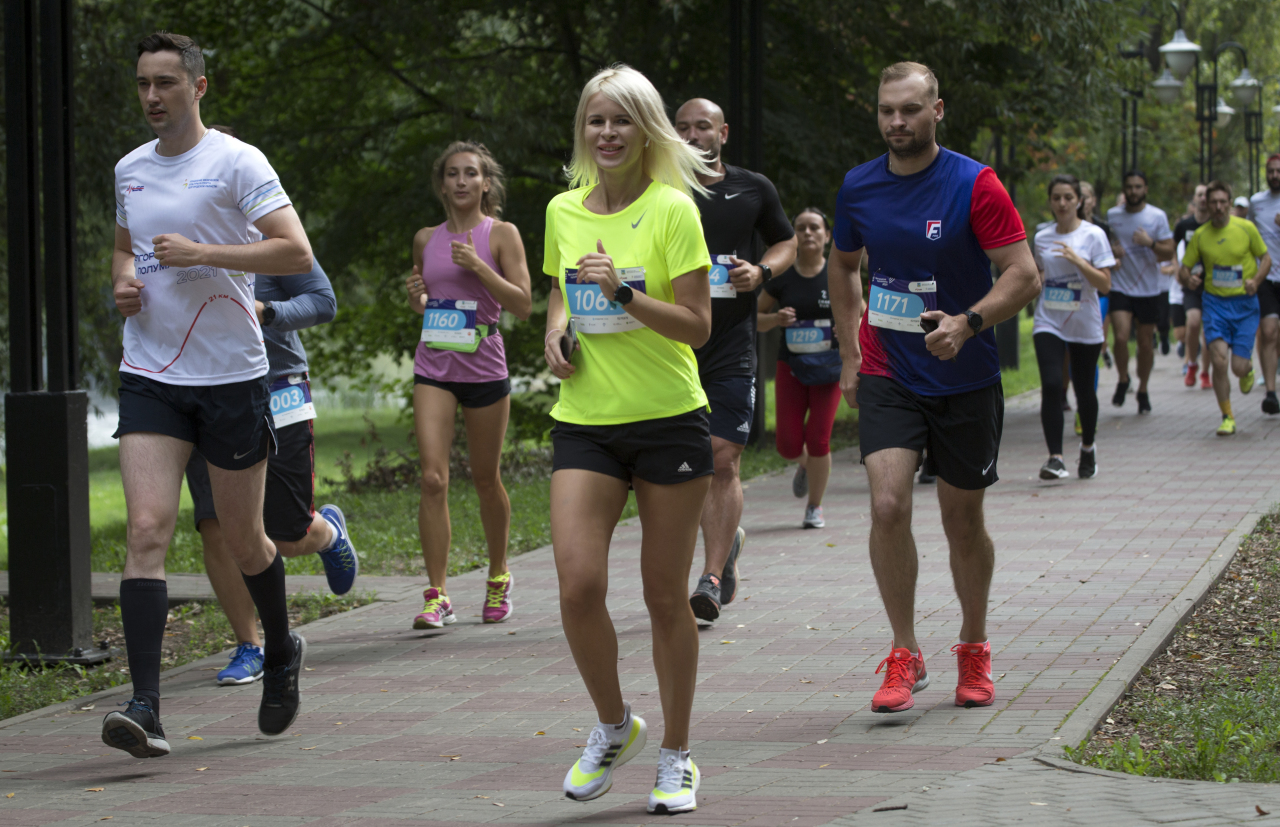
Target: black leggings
<point>1084,364</point>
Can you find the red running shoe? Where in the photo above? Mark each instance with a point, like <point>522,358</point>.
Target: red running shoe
<point>975,687</point>
<point>1191,375</point>
<point>1205,382</point>
<point>905,675</point>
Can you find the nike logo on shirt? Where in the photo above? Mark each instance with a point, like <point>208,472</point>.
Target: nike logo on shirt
<point>728,196</point>
<point>638,220</point>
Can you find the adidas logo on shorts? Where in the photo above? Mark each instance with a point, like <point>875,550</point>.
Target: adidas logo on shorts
<point>745,427</point>
<point>684,468</point>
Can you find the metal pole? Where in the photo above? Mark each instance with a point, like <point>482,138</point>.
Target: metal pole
<point>59,193</point>
<point>734,149</point>
<point>46,453</point>
<point>755,150</point>
<point>755,161</point>
<point>21,130</point>
<point>1124,136</point>
<point>1134,142</point>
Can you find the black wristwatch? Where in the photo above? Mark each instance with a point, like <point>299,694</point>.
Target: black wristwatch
<point>766,273</point>
<point>624,294</point>
<point>268,313</point>
<point>975,321</point>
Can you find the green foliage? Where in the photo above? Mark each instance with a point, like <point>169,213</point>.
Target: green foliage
<point>352,100</point>
<point>1228,733</point>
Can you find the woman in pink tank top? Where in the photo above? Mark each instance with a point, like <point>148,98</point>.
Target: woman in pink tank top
<point>466,272</point>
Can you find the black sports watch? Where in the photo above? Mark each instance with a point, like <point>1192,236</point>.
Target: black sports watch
<point>268,313</point>
<point>975,321</point>
<point>624,294</point>
<point>766,273</point>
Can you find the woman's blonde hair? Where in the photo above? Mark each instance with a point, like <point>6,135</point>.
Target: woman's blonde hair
<point>666,158</point>
<point>491,201</point>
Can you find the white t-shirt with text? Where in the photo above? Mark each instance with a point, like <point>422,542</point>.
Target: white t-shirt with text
<point>197,325</point>
<point>1263,208</point>
<point>1138,273</point>
<point>1068,306</point>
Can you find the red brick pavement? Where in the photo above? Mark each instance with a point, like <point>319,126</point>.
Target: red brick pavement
<point>410,728</point>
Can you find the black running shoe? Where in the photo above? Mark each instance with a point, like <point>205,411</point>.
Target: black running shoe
<point>729,577</point>
<point>1088,467</point>
<point>1164,345</point>
<point>280,699</point>
<point>1271,405</point>
<point>1144,403</point>
<point>137,730</point>
<point>1054,469</point>
<point>706,598</point>
<point>1182,350</point>
<point>1118,398</point>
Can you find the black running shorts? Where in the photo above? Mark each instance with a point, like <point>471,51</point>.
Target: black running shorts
<point>1268,299</point>
<point>229,424</point>
<point>289,505</point>
<point>1193,299</point>
<point>665,451</point>
<point>470,394</point>
<point>733,403</point>
<point>1145,309</point>
<point>961,432</point>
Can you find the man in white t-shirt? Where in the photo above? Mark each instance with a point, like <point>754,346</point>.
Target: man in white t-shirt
<point>1264,212</point>
<point>1145,240</point>
<point>194,369</point>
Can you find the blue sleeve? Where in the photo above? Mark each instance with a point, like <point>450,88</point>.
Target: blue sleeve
<point>847,237</point>
<point>310,299</point>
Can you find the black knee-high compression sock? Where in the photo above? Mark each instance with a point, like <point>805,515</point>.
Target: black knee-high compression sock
<point>267,591</point>
<point>144,607</point>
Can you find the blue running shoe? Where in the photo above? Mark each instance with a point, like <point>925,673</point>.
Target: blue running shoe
<point>341,565</point>
<point>245,666</point>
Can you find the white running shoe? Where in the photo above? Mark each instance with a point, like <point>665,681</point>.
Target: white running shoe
<point>677,784</point>
<point>608,747</point>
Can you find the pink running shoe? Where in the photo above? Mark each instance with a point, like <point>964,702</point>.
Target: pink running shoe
<point>975,687</point>
<point>904,676</point>
<point>437,612</point>
<point>497,599</point>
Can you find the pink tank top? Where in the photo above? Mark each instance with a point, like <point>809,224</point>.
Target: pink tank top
<point>446,280</point>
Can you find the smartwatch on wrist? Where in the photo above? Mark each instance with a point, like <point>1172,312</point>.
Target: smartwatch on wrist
<point>766,273</point>
<point>268,313</point>
<point>975,321</point>
<point>624,294</point>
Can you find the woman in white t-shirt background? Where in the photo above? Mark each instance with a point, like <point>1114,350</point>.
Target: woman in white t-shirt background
<point>1074,257</point>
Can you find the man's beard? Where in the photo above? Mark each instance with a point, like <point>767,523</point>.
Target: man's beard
<point>1132,201</point>
<point>918,145</point>
<point>711,156</point>
<point>1273,184</point>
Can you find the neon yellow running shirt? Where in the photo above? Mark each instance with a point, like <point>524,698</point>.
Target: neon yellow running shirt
<point>1230,255</point>
<point>625,371</point>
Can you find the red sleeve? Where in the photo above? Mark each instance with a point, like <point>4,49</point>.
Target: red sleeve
<point>994,219</point>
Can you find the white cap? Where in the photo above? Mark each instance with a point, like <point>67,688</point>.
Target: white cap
<point>1241,202</point>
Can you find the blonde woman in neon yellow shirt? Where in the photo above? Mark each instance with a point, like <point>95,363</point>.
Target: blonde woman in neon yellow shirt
<point>630,264</point>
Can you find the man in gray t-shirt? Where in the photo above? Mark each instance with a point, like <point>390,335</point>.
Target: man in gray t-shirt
<point>1144,240</point>
<point>1264,212</point>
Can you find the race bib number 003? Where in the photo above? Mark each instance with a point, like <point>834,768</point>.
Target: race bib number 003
<point>721,287</point>
<point>594,312</point>
<point>1228,278</point>
<point>896,304</point>
<point>809,336</point>
<point>291,401</point>
<point>1063,295</point>
<point>446,320</point>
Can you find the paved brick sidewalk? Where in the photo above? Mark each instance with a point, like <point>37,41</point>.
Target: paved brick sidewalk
<point>781,725</point>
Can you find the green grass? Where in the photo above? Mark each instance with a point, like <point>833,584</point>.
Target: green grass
<point>1027,376</point>
<point>1234,738</point>
<point>198,630</point>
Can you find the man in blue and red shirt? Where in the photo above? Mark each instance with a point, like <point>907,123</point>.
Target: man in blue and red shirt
<point>931,222</point>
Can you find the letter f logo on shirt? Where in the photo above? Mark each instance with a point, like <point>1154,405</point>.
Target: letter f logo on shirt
<point>933,230</point>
